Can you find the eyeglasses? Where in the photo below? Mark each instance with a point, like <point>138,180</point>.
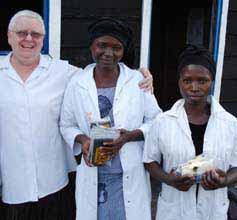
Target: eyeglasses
<point>24,34</point>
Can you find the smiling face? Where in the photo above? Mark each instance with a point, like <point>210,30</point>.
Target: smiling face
<point>107,51</point>
<point>195,84</point>
<point>26,48</point>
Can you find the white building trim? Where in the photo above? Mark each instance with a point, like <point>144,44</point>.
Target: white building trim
<point>221,51</point>
<point>145,33</point>
<point>54,28</point>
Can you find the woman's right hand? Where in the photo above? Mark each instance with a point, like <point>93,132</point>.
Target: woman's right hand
<point>84,140</point>
<point>182,183</point>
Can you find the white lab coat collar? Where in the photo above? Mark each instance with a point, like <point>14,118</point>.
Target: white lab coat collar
<point>43,65</point>
<point>177,108</point>
<point>44,62</point>
<point>179,112</point>
<point>124,76</point>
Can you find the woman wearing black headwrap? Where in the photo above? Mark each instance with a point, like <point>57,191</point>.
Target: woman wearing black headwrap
<point>195,125</point>
<point>119,189</point>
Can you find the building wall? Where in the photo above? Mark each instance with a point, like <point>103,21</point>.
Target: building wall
<point>77,15</point>
<point>228,96</point>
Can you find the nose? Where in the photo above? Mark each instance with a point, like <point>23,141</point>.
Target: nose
<point>108,52</point>
<point>194,86</point>
<point>28,37</point>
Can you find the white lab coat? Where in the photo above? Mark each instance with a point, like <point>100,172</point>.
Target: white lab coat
<point>34,158</point>
<point>131,108</point>
<point>170,136</point>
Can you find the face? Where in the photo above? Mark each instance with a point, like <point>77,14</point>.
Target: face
<point>107,51</point>
<point>195,84</point>
<point>26,47</point>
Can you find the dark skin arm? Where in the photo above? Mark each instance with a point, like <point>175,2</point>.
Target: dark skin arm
<point>182,183</point>
<point>84,140</point>
<point>216,178</point>
<point>113,147</point>
<point>147,82</point>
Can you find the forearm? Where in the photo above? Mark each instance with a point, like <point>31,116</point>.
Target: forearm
<point>81,138</point>
<point>157,172</point>
<point>135,135</point>
<point>231,177</point>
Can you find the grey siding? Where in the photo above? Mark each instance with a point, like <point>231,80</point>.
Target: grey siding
<point>77,15</point>
<point>229,79</point>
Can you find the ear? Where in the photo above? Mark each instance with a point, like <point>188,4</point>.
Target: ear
<point>8,33</point>
<point>9,36</point>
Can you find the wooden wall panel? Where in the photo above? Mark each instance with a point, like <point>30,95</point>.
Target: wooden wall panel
<point>231,46</point>
<point>230,67</point>
<point>233,5</point>
<point>231,25</point>
<point>231,107</point>
<point>229,91</point>
<point>76,17</point>
<point>228,96</point>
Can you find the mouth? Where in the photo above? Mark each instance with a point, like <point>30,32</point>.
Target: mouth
<point>195,96</point>
<point>27,46</point>
<point>107,61</point>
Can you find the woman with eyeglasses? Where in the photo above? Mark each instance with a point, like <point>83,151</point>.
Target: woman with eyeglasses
<point>35,161</point>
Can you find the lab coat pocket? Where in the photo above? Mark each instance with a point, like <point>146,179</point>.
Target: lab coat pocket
<point>168,209</point>
<point>221,206</point>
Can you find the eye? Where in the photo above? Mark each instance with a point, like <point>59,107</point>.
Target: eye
<point>117,48</point>
<point>21,33</point>
<point>202,81</point>
<point>187,81</point>
<point>36,35</point>
<point>101,45</point>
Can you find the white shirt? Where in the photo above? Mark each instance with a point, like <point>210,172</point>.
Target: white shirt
<point>170,137</point>
<point>132,109</point>
<point>34,158</point>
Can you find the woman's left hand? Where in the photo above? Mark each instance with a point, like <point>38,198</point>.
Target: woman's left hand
<point>214,179</point>
<point>147,82</point>
<point>112,148</point>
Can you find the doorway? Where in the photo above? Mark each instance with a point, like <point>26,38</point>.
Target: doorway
<point>174,25</point>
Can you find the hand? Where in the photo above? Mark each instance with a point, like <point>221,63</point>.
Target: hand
<point>182,183</point>
<point>85,142</point>
<point>112,148</point>
<point>147,82</point>
<point>214,179</point>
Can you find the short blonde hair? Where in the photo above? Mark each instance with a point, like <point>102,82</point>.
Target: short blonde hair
<point>26,13</point>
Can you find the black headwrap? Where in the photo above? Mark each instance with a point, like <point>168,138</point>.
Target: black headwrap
<point>111,27</point>
<point>196,55</point>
